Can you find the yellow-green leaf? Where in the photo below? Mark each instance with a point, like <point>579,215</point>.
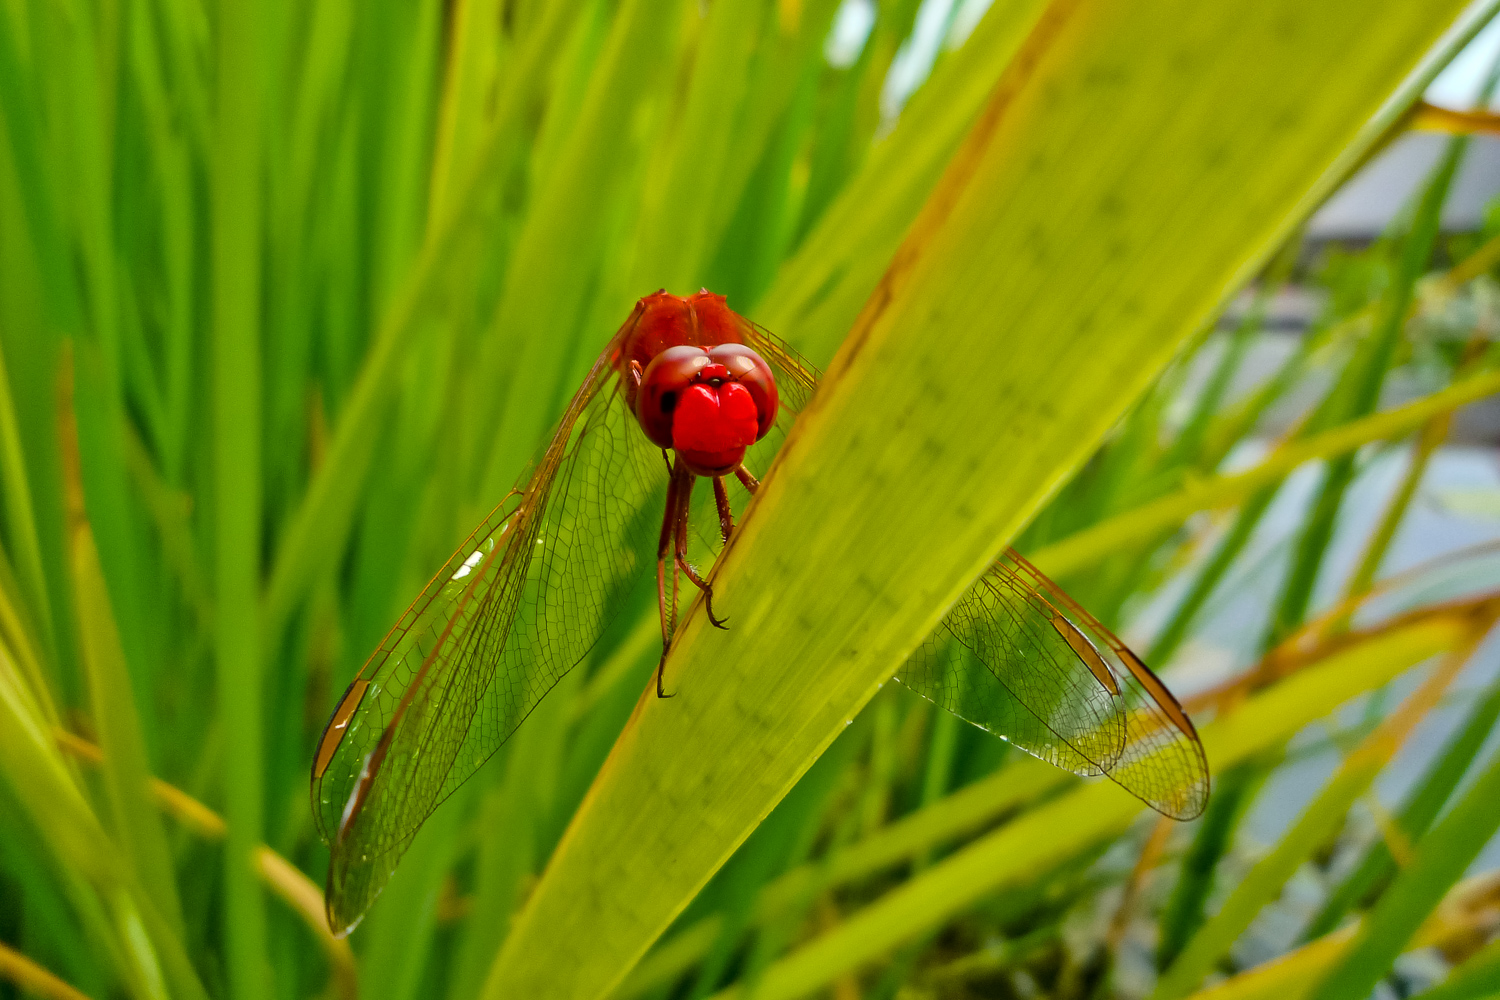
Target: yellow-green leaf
<point>137,824</point>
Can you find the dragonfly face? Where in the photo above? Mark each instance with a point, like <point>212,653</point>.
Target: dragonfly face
<point>693,384</point>
<point>707,404</point>
<point>685,389</point>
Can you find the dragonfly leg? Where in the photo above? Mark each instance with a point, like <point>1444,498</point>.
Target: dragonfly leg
<point>726,516</point>
<point>679,516</point>
<point>668,530</point>
<point>666,638</point>
<point>661,669</point>
<point>684,501</point>
<point>708,592</point>
<point>743,475</point>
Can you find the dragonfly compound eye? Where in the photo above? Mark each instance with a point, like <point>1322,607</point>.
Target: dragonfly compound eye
<point>664,381</point>
<point>751,371</point>
<point>708,405</point>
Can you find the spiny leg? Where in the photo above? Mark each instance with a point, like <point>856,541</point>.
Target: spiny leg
<point>668,529</point>
<point>708,592</point>
<point>743,475</point>
<point>675,602</point>
<point>726,516</point>
<point>684,504</point>
<point>679,528</point>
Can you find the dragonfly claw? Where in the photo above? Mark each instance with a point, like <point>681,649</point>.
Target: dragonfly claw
<point>660,670</point>
<point>708,606</point>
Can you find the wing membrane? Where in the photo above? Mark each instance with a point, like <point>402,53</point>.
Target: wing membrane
<point>1068,691</point>
<point>518,605</point>
<point>796,378</point>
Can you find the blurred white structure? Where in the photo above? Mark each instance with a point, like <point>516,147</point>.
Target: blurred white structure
<point>1366,204</point>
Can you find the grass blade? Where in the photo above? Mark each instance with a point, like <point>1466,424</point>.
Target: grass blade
<point>553,263</point>
<point>820,289</point>
<point>1359,393</point>
<point>128,775</point>
<point>1234,792</point>
<point>1082,548</point>
<point>1439,861</point>
<point>237,482</point>
<point>1318,821</point>
<point>1478,976</point>
<point>1378,866</point>
<point>31,977</point>
<point>673,239</point>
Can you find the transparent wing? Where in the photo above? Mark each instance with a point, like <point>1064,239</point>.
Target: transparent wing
<point>1069,692</point>
<point>520,603</point>
<point>796,379</point>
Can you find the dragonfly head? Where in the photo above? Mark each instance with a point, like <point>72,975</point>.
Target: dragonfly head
<point>709,404</point>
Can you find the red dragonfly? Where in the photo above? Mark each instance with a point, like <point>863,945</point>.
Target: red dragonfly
<point>685,389</point>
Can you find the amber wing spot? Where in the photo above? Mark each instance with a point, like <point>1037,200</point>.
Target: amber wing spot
<point>1080,644</point>
<point>338,725</point>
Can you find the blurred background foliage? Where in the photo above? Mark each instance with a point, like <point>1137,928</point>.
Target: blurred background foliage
<point>289,295</point>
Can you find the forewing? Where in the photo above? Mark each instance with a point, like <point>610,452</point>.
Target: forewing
<point>1047,702</point>
<point>796,379</point>
<point>1068,690</point>
<point>512,611</point>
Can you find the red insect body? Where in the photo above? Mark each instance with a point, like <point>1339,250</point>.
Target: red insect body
<point>695,387</point>
<point>664,320</point>
<point>692,383</point>
<point>529,594</point>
